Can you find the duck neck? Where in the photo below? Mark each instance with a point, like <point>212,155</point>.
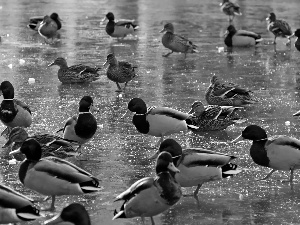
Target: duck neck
<point>259,153</point>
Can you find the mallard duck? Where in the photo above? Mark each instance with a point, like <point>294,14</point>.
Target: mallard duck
<point>15,207</point>
<point>213,117</point>
<point>119,29</point>
<point>297,42</point>
<point>48,28</point>
<point>53,176</point>
<point>82,128</point>
<point>279,28</point>
<point>13,112</point>
<point>75,74</point>
<point>74,213</point>
<point>151,196</point>
<point>35,21</point>
<point>227,95</point>
<point>158,121</point>
<point>241,38</point>
<point>119,71</point>
<point>230,9</point>
<point>176,43</point>
<point>277,153</point>
<point>51,145</point>
<point>197,165</point>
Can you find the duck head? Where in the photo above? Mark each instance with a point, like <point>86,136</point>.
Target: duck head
<point>168,28</point>
<point>31,148</point>
<point>137,105</point>
<point>230,30</point>
<point>252,132</point>
<point>74,213</point>
<point>109,16</point>
<point>7,90</point>
<point>57,19</point>
<point>171,146</point>
<point>86,104</point>
<point>271,17</point>
<point>164,163</point>
<point>61,62</point>
<point>197,108</point>
<point>110,59</point>
<point>17,134</point>
<point>214,80</point>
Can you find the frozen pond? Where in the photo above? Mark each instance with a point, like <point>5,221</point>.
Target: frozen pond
<point>118,154</point>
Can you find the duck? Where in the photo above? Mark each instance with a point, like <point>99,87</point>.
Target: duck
<point>51,145</point>
<point>119,71</point>
<point>151,196</point>
<point>241,38</point>
<point>279,28</point>
<point>158,121</point>
<point>53,176</point>
<point>119,29</point>
<point>75,74</point>
<point>13,112</point>
<point>278,153</point>
<point>176,43</point>
<point>48,28</point>
<point>75,213</point>
<point>230,9</point>
<point>213,117</point>
<point>227,94</point>
<point>15,207</point>
<point>297,42</point>
<point>197,165</point>
<point>81,128</point>
<point>35,21</point>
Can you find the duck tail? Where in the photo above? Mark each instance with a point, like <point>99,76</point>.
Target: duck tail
<point>28,213</point>
<point>90,186</point>
<point>230,169</point>
<point>32,26</point>
<point>195,50</point>
<point>135,27</point>
<point>120,214</point>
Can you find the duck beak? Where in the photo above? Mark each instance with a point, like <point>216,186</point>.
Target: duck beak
<point>15,151</point>
<point>173,168</point>
<point>51,64</point>
<point>163,30</point>
<point>124,115</point>
<point>226,33</point>
<point>297,113</point>
<point>104,64</point>
<point>155,155</point>
<point>191,111</point>
<point>55,220</point>
<point>104,19</point>
<point>239,138</point>
<point>267,19</point>
<point>8,143</point>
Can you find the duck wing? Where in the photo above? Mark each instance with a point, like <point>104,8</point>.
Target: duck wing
<point>169,112</point>
<point>248,34</point>
<point>80,68</point>
<point>135,188</point>
<point>10,198</point>
<point>183,41</point>
<point>125,23</point>
<point>22,104</point>
<point>285,140</point>
<point>202,157</point>
<point>68,122</point>
<point>63,169</point>
<point>280,27</point>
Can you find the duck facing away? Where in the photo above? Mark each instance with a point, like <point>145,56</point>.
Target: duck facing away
<point>13,112</point>
<point>48,28</point>
<point>176,43</point>
<point>279,28</point>
<point>213,117</point>
<point>51,145</point>
<point>74,213</point>
<point>277,153</point>
<point>151,196</point>
<point>230,9</point>
<point>35,21</point>
<point>81,128</point>
<point>227,94</point>
<point>198,166</point>
<point>241,38</point>
<point>158,121</point>
<point>75,74</point>
<point>119,29</point>
<point>52,176</point>
<point>15,207</point>
<point>119,71</point>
